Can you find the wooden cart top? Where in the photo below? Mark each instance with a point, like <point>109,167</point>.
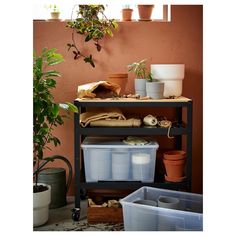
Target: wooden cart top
<point>178,99</point>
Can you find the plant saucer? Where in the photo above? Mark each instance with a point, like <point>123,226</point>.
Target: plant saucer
<point>174,179</point>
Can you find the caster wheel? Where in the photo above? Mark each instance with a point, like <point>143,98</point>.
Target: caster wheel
<point>75,214</point>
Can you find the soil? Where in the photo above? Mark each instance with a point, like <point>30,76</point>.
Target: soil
<point>39,188</point>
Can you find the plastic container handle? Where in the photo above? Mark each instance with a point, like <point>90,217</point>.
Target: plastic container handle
<point>52,158</point>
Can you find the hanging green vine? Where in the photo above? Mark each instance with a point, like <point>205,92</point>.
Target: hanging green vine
<point>92,24</point>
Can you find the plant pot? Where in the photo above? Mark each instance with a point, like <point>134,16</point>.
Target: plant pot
<point>142,219</point>
<point>174,155</point>
<point>166,223</point>
<point>175,169</point>
<point>168,202</point>
<point>41,201</point>
<point>155,89</point>
<point>120,79</point>
<point>127,14</point>
<point>56,178</point>
<point>172,75</point>
<point>145,12</point>
<point>146,202</point>
<point>140,87</point>
<point>55,15</point>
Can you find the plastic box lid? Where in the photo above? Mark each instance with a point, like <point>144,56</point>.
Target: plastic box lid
<point>113,142</point>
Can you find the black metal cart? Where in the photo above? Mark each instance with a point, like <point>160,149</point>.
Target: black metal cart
<point>178,131</point>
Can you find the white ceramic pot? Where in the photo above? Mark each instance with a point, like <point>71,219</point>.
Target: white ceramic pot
<point>41,201</point>
<point>172,75</point>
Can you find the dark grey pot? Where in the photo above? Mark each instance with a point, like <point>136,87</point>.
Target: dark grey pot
<point>56,178</point>
<point>155,89</point>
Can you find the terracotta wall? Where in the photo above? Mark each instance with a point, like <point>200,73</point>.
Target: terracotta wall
<point>178,41</point>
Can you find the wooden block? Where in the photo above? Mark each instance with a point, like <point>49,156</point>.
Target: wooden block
<point>104,215</point>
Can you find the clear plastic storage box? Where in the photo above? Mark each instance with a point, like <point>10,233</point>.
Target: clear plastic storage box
<point>110,159</point>
<point>184,214</point>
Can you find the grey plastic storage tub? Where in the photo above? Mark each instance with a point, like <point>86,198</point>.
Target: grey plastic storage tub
<point>187,216</point>
<point>109,159</point>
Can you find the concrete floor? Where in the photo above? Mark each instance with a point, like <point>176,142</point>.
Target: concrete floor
<point>60,220</point>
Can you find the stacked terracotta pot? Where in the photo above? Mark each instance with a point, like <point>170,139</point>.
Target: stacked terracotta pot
<point>174,162</point>
<point>120,79</point>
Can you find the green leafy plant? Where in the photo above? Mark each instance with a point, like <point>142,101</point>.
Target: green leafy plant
<point>140,70</point>
<point>52,7</point>
<point>126,6</point>
<point>46,111</point>
<point>92,24</point>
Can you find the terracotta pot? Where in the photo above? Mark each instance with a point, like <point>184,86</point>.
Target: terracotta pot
<point>145,12</point>
<point>175,169</point>
<point>174,155</point>
<point>55,15</point>
<point>120,79</point>
<point>127,14</point>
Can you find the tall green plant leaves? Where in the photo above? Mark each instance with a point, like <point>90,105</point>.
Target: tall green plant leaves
<point>46,112</point>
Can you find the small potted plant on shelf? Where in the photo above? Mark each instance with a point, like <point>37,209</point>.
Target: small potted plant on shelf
<point>140,70</point>
<point>92,24</point>
<point>127,13</point>
<point>145,12</point>
<point>145,84</point>
<point>55,12</point>
<point>46,117</point>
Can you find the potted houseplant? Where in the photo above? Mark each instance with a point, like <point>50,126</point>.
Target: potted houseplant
<point>140,70</point>
<point>145,12</point>
<point>127,13</point>
<point>144,83</point>
<point>55,13</point>
<point>46,116</point>
<point>92,24</point>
